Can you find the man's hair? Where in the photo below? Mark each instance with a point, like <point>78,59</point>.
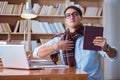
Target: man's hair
<point>75,8</point>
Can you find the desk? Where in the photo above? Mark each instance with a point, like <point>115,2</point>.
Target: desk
<point>45,74</point>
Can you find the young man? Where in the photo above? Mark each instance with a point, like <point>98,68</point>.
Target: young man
<point>87,60</point>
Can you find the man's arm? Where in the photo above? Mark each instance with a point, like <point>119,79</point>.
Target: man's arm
<point>46,50</point>
<point>102,42</point>
<point>60,45</point>
<point>111,52</point>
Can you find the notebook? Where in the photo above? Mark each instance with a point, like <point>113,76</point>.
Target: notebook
<point>90,32</point>
<point>14,56</point>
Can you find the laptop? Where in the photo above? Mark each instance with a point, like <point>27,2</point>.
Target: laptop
<point>14,56</point>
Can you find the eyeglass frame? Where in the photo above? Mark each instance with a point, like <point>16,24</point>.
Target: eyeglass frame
<point>73,14</point>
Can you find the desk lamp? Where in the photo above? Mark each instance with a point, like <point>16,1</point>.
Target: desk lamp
<point>28,14</point>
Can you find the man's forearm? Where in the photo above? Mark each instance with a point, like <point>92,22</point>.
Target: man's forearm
<point>61,45</point>
<point>111,52</point>
<point>46,50</point>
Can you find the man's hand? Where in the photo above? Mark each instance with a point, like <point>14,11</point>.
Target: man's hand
<point>100,41</point>
<point>64,44</point>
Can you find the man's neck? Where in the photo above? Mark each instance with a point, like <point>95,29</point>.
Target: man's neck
<point>73,29</point>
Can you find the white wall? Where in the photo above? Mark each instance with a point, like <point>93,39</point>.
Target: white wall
<point>112,33</point>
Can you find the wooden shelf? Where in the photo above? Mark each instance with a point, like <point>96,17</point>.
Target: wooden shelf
<point>20,36</point>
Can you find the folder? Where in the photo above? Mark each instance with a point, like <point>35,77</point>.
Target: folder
<point>90,32</point>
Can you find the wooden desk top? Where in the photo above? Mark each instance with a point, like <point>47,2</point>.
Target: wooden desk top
<point>67,74</point>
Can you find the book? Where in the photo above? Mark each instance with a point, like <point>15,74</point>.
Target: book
<point>36,8</point>
<point>42,28</point>
<point>90,32</point>
<point>99,11</point>
<point>43,10</point>
<point>20,6</point>
<point>53,11</point>
<point>23,26</point>
<point>16,26</point>
<point>7,26</point>
<point>61,28</point>
<point>58,9</point>
<point>47,27</point>
<point>15,9</point>
<point>53,29</point>
<point>1,29</point>
<point>56,26</point>
<point>35,27</point>
<point>4,4</point>
<point>49,10</point>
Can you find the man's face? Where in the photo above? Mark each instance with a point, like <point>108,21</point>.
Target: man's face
<point>72,18</point>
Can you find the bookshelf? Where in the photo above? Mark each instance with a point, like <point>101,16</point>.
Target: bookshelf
<point>12,18</point>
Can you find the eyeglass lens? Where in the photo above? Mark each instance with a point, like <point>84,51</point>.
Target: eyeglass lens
<point>74,14</point>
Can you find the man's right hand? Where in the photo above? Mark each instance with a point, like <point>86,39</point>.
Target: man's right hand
<point>64,45</point>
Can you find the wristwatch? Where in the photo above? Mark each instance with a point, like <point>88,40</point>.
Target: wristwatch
<point>108,49</point>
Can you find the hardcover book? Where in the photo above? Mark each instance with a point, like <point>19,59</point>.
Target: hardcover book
<point>90,32</point>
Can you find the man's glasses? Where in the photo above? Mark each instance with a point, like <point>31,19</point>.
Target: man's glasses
<point>74,14</point>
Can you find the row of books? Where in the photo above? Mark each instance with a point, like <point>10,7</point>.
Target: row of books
<point>20,27</point>
<point>5,27</point>
<point>93,11</point>
<point>6,8</point>
<point>58,9</point>
<point>39,27</point>
<point>45,27</point>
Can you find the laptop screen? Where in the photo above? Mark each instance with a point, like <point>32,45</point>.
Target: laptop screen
<point>14,56</point>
